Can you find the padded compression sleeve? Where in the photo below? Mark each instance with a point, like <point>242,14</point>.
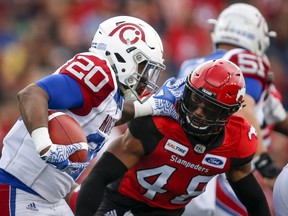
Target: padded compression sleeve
<point>251,196</point>
<point>150,137</point>
<point>64,92</point>
<point>92,189</point>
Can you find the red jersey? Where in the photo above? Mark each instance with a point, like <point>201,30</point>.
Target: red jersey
<point>172,173</point>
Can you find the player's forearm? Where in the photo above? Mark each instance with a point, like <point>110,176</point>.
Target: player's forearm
<point>251,196</point>
<point>248,113</point>
<point>128,113</point>
<point>92,190</point>
<point>33,105</point>
<point>263,163</point>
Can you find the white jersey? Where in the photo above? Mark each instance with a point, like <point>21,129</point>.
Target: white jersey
<point>24,169</point>
<point>280,195</point>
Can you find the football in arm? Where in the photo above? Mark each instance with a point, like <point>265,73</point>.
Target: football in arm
<point>64,130</point>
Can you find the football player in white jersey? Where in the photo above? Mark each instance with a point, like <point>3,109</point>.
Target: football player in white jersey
<point>240,35</point>
<point>280,193</point>
<point>273,107</point>
<point>123,64</point>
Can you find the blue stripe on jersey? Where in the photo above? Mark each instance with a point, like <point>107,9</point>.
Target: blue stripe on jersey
<point>12,201</point>
<point>226,209</point>
<point>189,65</point>
<point>253,88</point>
<point>7,178</point>
<point>119,99</point>
<point>64,92</point>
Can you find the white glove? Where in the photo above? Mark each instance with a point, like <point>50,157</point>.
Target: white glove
<point>273,109</point>
<point>58,155</point>
<point>163,102</point>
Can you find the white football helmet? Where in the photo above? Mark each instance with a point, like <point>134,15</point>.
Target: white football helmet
<point>127,42</point>
<point>244,26</point>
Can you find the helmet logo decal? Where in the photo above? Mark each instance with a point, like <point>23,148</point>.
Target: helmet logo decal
<point>207,92</point>
<point>251,132</point>
<point>129,32</point>
<point>240,94</point>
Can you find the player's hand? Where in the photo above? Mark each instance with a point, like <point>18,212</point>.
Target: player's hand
<point>58,156</point>
<point>167,91</point>
<point>265,165</point>
<point>273,109</point>
<point>75,169</point>
<point>95,143</point>
<point>163,102</point>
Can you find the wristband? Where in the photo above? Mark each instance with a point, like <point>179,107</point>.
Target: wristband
<point>41,138</point>
<point>144,109</point>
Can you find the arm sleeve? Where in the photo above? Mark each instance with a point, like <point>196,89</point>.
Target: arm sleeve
<point>92,189</point>
<point>149,135</point>
<point>251,196</point>
<point>63,91</point>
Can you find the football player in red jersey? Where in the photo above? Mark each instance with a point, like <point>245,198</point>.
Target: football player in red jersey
<point>240,34</point>
<point>161,163</point>
<point>123,62</point>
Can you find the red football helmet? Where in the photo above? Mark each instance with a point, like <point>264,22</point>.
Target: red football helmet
<point>213,92</point>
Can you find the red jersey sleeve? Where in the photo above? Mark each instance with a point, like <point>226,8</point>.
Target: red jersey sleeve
<point>245,140</point>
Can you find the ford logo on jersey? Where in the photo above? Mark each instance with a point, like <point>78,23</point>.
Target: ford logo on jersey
<point>214,161</point>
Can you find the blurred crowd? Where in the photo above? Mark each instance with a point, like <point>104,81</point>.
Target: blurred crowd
<point>38,36</point>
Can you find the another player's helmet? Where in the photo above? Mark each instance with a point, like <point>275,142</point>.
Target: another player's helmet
<point>213,92</point>
<point>244,26</point>
<point>128,42</point>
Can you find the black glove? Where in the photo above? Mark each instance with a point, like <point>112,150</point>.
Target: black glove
<point>266,166</point>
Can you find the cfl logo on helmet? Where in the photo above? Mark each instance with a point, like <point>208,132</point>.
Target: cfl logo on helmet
<point>129,33</point>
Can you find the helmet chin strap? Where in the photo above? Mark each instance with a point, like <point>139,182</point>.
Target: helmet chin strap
<point>195,126</point>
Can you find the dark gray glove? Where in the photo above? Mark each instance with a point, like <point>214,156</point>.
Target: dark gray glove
<point>266,166</point>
